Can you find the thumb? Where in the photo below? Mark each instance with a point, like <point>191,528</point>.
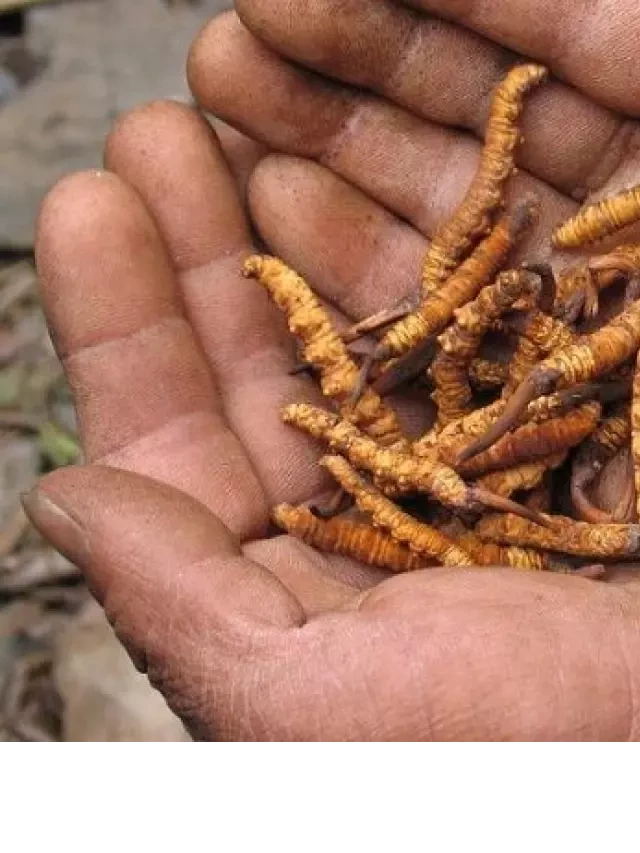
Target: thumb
<point>182,598</point>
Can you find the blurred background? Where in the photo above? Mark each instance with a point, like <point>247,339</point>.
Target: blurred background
<point>67,69</point>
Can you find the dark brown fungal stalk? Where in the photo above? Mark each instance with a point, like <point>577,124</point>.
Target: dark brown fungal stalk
<point>548,285</point>
<point>380,320</point>
<point>403,370</point>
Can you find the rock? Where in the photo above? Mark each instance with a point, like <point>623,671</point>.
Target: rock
<point>98,58</point>
<point>104,697</point>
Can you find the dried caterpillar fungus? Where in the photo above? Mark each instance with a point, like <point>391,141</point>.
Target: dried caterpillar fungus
<point>522,559</point>
<point>418,537</point>
<point>393,465</point>
<point>489,555</point>
<point>412,338</point>
<point>535,441</point>
<point>565,536</point>
<point>347,538</point>
<point>461,341</point>
<point>437,308</point>
<point>323,347</point>
<point>596,221</point>
<point>486,194</point>
<point>503,431</point>
<point>588,358</point>
<point>539,335</point>
<point>525,476</point>
<point>451,443</point>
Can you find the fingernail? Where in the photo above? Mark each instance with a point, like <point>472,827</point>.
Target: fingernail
<point>57,526</point>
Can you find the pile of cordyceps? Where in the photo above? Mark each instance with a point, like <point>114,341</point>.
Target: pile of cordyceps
<point>477,489</point>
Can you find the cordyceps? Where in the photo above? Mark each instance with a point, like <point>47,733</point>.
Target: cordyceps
<point>529,407</point>
<point>539,334</point>
<point>565,536</point>
<point>322,346</point>
<point>420,538</point>
<point>524,477</point>
<point>437,308</point>
<point>590,357</point>
<point>397,467</point>
<point>347,538</point>
<point>488,554</point>
<point>450,442</point>
<point>596,221</point>
<point>461,341</point>
<point>535,441</point>
<point>457,237</point>
<point>523,559</point>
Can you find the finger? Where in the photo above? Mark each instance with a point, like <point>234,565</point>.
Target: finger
<point>242,154</point>
<point>416,169</point>
<point>320,583</point>
<point>445,73</point>
<point>194,613</point>
<point>358,255</point>
<point>174,161</point>
<point>145,396</point>
<point>590,44</point>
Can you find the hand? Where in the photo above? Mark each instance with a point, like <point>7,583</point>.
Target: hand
<point>179,367</point>
<point>408,137</point>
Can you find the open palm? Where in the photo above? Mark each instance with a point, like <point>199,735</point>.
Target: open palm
<point>180,366</point>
